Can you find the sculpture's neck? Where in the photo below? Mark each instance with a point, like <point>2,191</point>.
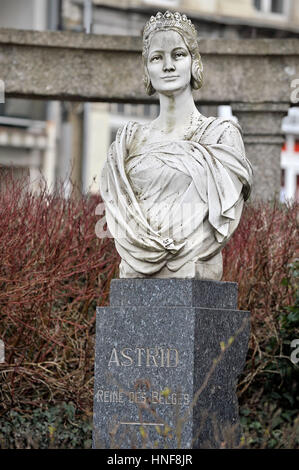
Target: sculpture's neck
<point>176,111</point>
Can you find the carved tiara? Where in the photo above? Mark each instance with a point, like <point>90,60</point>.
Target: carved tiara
<point>169,20</point>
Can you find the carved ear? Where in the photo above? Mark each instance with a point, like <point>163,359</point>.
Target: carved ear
<point>196,72</point>
<point>147,82</point>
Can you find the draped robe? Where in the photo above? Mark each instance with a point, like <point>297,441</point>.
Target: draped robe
<point>172,206</point>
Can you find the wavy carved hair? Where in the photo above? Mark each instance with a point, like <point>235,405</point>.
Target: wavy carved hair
<point>192,46</point>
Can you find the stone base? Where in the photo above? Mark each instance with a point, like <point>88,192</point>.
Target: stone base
<point>168,355</point>
<point>211,269</point>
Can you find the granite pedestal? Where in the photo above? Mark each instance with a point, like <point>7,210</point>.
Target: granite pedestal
<point>168,355</point>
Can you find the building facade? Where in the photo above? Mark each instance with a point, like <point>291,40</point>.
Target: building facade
<point>29,128</point>
<point>69,141</point>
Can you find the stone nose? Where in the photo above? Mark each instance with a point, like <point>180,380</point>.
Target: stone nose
<point>168,64</point>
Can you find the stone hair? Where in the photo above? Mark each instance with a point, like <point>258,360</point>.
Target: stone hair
<point>191,44</point>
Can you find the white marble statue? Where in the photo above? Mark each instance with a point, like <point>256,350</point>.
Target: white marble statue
<point>174,188</point>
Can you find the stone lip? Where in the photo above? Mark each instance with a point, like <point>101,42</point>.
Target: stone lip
<point>173,292</point>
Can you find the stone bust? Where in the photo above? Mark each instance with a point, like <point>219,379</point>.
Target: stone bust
<point>174,189</point>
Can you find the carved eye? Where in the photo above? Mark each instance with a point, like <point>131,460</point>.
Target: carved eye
<point>179,54</point>
<point>155,58</point>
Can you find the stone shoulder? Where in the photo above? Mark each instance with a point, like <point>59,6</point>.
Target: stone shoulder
<point>229,133</point>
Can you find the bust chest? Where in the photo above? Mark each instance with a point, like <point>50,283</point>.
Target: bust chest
<point>145,135</point>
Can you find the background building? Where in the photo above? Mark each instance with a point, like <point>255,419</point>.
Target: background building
<point>290,156</point>
<point>62,141</point>
<point>29,129</point>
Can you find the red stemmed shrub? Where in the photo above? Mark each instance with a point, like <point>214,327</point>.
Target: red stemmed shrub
<point>258,258</point>
<point>262,257</point>
<point>54,270</point>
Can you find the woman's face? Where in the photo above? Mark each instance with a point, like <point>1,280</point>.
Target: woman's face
<point>169,63</point>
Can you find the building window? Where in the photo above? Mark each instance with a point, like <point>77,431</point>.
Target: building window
<point>166,3</point>
<point>282,178</point>
<point>278,7</point>
<point>120,108</point>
